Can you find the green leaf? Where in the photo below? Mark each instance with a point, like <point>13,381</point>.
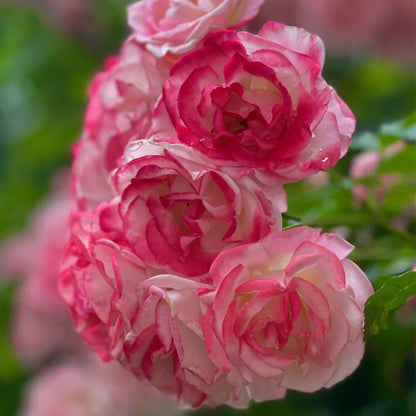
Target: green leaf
<point>401,162</point>
<point>389,297</point>
<point>10,366</point>
<point>290,222</point>
<point>365,141</point>
<point>403,129</point>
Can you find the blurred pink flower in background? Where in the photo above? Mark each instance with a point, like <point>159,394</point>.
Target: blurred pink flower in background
<point>365,164</point>
<point>406,315</point>
<point>42,325</point>
<point>319,180</point>
<point>364,167</point>
<point>87,387</point>
<point>375,26</point>
<point>75,17</point>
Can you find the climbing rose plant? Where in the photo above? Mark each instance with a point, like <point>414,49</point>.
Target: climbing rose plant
<point>177,264</point>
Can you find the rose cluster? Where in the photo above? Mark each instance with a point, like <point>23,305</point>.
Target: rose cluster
<point>177,264</point>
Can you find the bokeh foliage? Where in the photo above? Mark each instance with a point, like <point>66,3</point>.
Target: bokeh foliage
<point>44,74</point>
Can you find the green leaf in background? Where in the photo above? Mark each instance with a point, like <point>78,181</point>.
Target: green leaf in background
<point>406,129</point>
<point>12,373</point>
<point>377,91</point>
<point>365,141</point>
<point>389,297</point>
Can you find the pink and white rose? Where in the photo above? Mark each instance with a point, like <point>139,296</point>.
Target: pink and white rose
<point>258,102</point>
<point>98,282</point>
<point>122,98</point>
<point>178,212</point>
<point>165,343</point>
<point>177,26</point>
<point>288,311</point>
<point>147,321</point>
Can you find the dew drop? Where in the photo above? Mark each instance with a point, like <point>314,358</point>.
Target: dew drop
<point>325,159</point>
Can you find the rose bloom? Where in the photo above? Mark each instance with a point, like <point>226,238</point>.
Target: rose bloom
<point>87,387</point>
<point>366,165</point>
<point>41,323</point>
<point>177,26</point>
<point>178,212</point>
<point>128,312</point>
<point>287,313</point>
<point>258,102</point>
<point>121,102</point>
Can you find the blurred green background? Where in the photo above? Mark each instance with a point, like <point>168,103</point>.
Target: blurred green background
<point>45,68</point>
